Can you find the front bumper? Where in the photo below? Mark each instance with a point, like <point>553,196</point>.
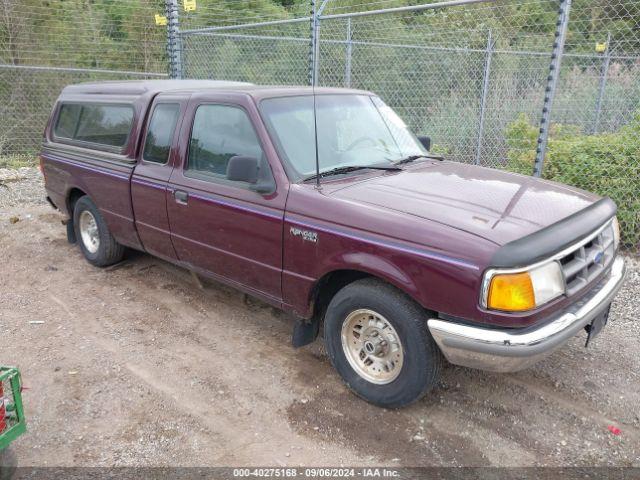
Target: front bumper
<point>509,350</point>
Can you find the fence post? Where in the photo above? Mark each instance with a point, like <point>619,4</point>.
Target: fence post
<point>315,39</point>
<point>312,45</point>
<point>604,72</point>
<point>173,40</point>
<point>483,99</point>
<point>552,84</point>
<point>347,60</point>
<point>316,51</point>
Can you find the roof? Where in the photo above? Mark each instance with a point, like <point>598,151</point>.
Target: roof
<point>141,87</point>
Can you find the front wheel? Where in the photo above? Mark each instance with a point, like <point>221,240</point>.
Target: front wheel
<point>378,340</point>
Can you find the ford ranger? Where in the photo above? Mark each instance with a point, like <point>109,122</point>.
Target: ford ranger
<point>323,203</point>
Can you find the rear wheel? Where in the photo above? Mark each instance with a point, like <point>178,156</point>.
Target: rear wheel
<point>95,240</point>
<point>378,341</point>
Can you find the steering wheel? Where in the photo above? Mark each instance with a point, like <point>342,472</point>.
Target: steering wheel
<point>358,141</point>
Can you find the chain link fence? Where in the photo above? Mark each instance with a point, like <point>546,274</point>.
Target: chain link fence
<point>263,54</point>
<point>459,74</point>
<point>27,94</point>
<point>45,46</point>
<point>499,83</point>
<point>595,120</point>
<point>496,83</point>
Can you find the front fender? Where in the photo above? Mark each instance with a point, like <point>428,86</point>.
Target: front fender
<point>434,281</point>
<point>376,266</point>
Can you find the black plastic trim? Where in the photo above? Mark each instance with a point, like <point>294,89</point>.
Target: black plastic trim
<point>50,202</point>
<point>554,238</point>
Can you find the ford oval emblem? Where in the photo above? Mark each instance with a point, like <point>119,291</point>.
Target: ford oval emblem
<point>598,257</point>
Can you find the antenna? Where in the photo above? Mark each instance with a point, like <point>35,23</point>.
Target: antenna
<point>315,51</point>
<point>315,132</point>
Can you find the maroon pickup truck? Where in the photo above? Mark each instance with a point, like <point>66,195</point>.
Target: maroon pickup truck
<point>329,208</point>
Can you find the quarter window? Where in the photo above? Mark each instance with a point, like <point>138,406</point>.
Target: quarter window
<point>219,133</point>
<point>160,133</point>
<point>68,121</point>
<point>107,125</point>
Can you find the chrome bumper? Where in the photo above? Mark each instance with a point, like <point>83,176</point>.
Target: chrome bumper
<point>508,350</point>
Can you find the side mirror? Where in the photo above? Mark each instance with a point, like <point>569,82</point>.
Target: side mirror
<point>247,169</point>
<point>243,169</point>
<point>425,141</point>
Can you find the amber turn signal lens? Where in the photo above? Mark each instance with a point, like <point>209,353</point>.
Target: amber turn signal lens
<point>511,292</point>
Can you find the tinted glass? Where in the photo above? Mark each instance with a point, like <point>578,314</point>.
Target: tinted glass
<point>353,130</point>
<point>68,120</point>
<point>160,133</point>
<point>219,133</point>
<point>107,125</point>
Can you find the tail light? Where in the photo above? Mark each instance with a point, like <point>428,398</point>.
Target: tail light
<point>41,167</point>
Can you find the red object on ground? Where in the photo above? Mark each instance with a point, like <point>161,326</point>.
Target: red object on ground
<point>614,430</point>
<point>3,423</point>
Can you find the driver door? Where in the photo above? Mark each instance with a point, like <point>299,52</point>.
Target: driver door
<point>220,226</point>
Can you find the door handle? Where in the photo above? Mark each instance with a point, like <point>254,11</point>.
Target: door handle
<point>181,197</point>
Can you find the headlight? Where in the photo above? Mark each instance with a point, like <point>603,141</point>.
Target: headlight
<point>616,233</point>
<point>517,291</point>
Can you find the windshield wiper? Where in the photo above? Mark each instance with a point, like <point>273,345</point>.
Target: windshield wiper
<point>412,158</point>
<point>351,168</point>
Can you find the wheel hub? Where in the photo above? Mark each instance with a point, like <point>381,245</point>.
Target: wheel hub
<point>375,344</point>
<point>89,231</point>
<point>372,346</point>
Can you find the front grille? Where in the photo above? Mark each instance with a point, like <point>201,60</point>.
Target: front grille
<point>588,260</point>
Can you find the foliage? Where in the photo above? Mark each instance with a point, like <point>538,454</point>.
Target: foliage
<point>93,34</point>
<point>17,161</point>
<point>435,85</point>
<point>604,163</point>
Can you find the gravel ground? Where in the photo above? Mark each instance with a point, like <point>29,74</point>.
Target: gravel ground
<point>22,186</point>
<point>136,365</point>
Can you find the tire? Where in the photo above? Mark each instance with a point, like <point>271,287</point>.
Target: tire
<point>104,250</point>
<point>367,304</point>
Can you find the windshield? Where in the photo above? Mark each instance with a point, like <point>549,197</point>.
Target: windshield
<point>353,130</point>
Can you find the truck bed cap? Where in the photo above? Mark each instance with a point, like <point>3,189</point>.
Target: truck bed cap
<point>152,87</point>
<point>139,87</point>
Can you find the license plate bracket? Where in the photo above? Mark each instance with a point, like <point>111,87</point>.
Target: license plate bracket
<point>596,325</point>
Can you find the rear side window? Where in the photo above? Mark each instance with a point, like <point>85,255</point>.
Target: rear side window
<point>219,133</point>
<point>68,121</point>
<point>160,132</point>
<point>108,125</point>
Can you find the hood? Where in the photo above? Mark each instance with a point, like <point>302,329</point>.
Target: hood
<point>495,205</point>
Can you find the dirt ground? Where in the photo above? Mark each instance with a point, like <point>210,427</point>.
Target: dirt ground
<point>136,365</point>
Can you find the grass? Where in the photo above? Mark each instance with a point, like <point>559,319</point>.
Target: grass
<point>18,161</point>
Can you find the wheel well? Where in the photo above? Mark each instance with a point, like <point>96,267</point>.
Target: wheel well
<point>329,285</point>
<point>74,195</point>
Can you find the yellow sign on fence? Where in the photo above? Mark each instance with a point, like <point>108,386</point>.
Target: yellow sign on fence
<point>161,19</point>
<point>189,5</point>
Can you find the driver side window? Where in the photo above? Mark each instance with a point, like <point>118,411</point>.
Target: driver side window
<point>220,132</point>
